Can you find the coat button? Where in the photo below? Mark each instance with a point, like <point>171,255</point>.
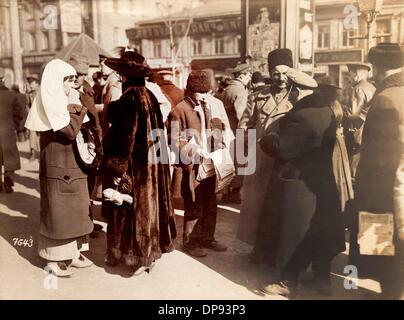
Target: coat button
<point>66,177</point>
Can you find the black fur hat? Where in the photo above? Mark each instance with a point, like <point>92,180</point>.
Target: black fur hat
<point>198,81</point>
<point>281,56</point>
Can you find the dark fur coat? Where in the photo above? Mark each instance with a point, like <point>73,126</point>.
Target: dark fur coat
<point>148,228</point>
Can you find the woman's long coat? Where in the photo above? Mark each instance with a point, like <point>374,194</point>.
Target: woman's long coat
<point>127,147</point>
<point>12,113</point>
<point>306,202</point>
<point>64,192</point>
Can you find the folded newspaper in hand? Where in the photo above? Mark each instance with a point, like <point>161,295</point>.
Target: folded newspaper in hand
<point>220,164</point>
<point>375,235</point>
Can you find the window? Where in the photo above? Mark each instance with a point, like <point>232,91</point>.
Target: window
<point>44,41</point>
<point>156,49</point>
<point>383,26</point>
<point>238,45</point>
<point>29,42</point>
<point>345,36</point>
<point>115,5</point>
<point>323,37</point>
<point>197,47</point>
<point>219,46</point>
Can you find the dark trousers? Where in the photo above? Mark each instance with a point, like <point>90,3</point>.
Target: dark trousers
<point>9,177</point>
<point>91,178</point>
<point>305,255</point>
<point>200,216</point>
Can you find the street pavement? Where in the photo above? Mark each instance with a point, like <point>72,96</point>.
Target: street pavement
<point>176,275</point>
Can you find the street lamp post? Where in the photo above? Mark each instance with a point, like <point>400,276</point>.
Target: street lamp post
<point>369,9</point>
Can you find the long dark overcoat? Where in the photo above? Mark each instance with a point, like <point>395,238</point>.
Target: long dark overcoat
<point>376,189</point>
<point>306,201</point>
<point>11,114</point>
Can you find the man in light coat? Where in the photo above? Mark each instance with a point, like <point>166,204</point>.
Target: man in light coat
<point>361,96</point>
<point>266,108</point>
<point>235,99</point>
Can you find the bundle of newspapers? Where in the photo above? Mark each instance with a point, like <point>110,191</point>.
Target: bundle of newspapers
<point>375,235</point>
<point>220,164</point>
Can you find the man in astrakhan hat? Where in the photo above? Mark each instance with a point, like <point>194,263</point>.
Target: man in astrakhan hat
<point>142,230</point>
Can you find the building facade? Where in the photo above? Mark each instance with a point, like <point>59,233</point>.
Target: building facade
<point>337,27</point>
<point>206,37</point>
<point>46,26</point>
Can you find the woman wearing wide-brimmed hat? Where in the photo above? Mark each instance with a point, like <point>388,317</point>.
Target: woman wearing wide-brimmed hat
<point>139,232</point>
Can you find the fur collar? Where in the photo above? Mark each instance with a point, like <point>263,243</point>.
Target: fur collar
<point>395,80</point>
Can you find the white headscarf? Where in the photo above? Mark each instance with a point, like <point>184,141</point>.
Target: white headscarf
<point>49,108</point>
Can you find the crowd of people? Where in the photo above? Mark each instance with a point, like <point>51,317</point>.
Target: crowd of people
<point>319,162</point>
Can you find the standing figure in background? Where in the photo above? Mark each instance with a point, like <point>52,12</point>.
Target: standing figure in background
<point>358,108</point>
<point>359,105</point>
<point>19,123</point>
<point>235,99</point>
<point>12,112</point>
<point>91,130</point>
<point>33,82</point>
<point>58,115</point>
<point>164,79</point>
<point>111,91</point>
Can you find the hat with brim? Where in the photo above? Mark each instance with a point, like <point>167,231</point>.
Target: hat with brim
<point>165,72</point>
<point>241,68</point>
<point>79,62</point>
<point>32,78</point>
<point>131,63</point>
<point>357,66</point>
<point>327,83</point>
<point>301,79</point>
<point>387,55</point>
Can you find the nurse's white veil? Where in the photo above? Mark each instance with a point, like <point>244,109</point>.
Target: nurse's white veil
<point>49,108</point>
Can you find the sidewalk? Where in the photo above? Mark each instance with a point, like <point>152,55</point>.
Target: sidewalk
<point>176,275</point>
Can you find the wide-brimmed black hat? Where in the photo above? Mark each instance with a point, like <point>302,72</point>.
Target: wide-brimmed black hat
<point>387,55</point>
<point>327,83</point>
<point>131,63</point>
<point>357,66</point>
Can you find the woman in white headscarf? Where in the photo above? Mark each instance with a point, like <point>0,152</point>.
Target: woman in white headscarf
<point>64,225</point>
